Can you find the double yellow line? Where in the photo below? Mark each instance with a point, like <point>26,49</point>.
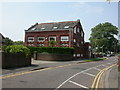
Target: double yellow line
<point>98,77</point>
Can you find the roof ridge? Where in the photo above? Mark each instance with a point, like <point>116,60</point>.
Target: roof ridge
<point>57,22</point>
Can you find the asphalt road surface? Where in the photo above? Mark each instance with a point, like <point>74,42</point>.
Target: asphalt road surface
<point>75,75</point>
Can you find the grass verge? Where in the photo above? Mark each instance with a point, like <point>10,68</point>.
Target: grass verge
<point>95,59</point>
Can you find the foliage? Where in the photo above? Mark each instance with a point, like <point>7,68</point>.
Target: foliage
<point>103,37</point>
<point>95,59</point>
<point>52,50</point>
<point>18,42</point>
<point>8,41</point>
<point>16,49</point>
<point>52,43</point>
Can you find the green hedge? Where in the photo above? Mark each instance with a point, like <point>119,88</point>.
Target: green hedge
<point>52,50</point>
<point>16,49</point>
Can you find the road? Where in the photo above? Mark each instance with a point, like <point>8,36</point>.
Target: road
<point>72,75</point>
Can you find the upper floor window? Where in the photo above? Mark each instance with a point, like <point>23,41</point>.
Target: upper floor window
<point>30,39</point>
<point>66,27</point>
<point>81,34</point>
<point>33,28</point>
<point>41,39</point>
<point>52,38</point>
<point>78,30</point>
<point>75,29</point>
<point>42,28</point>
<point>55,27</point>
<point>64,38</point>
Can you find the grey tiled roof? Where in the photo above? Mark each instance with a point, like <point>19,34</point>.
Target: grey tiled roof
<point>68,25</point>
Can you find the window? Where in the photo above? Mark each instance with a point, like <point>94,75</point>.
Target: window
<point>81,34</point>
<point>78,30</point>
<point>41,39</point>
<point>66,27</point>
<point>81,42</point>
<point>81,55</point>
<point>75,29</point>
<point>74,40</point>
<point>64,38</point>
<point>78,55</point>
<point>52,38</point>
<point>55,27</point>
<point>33,28</point>
<point>78,45</point>
<point>30,39</point>
<point>42,28</point>
<point>74,55</point>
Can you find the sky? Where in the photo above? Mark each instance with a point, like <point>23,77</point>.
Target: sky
<point>16,17</point>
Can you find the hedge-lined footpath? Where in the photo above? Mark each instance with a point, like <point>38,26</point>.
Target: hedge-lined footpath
<point>51,50</point>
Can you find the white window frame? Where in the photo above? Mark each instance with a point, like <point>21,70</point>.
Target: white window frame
<point>55,27</point>
<point>78,30</point>
<point>75,29</point>
<point>61,38</point>
<point>41,40</point>
<point>81,34</point>
<point>66,27</point>
<point>30,40</point>
<point>42,28</point>
<point>52,37</point>
<point>33,28</point>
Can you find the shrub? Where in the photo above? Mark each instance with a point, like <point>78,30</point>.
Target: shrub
<point>16,49</point>
<point>52,50</point>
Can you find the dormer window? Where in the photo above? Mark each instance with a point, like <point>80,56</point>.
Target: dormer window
<point>42,28</point>
<point>55,27</point>
<point>66,27</point>
<point>33,28</point>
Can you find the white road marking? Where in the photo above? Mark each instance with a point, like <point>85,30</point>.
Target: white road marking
<point>97,69</point>
<point>89,74</point>
<point>78,84</point>
<point>72,77</point>
<point>104,65</point>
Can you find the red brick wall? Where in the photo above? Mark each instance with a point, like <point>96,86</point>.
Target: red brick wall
<point>46,34</point>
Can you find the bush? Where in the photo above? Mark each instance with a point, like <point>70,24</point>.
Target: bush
<point>16,49</point>
<point>52,50</point>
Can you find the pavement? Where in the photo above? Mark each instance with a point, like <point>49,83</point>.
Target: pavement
<point>35,64</point>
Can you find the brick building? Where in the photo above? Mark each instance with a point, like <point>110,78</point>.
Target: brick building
<point>2,39</point>
<point>66,34</point>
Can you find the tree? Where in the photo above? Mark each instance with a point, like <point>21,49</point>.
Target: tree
<point>52,43</point>
<point>103,38</point>
<point>18,42</point>
<point>8,41</point>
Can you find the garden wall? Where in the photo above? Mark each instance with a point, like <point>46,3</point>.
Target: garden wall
<point>10,60</point>
<point>53,57</point>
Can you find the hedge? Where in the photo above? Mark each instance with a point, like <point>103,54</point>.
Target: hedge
<point>52,50</point>
<point>16,49</point>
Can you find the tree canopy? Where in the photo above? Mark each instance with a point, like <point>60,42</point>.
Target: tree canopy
<point>103,38</point>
